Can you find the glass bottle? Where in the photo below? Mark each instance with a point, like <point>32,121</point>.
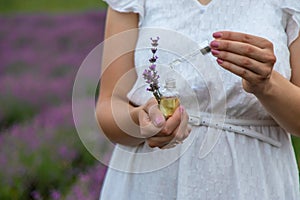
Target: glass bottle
<point>170,98</point>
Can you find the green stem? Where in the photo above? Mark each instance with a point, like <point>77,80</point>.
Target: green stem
<point>157,96</point>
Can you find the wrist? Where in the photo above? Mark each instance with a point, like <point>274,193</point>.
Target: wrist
<point>268,87</point>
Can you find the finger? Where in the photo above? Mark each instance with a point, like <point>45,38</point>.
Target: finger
<point>169,146</point>
<point>183,127</point>
<point>188,131</point>
<point>243,49</point>
<point>179,134</point>
<point>147,128</point>
<point>259,68</point>
<point>242,72</point>
<point>172,123</point>
<point>156,141</point>
<point>174,142</point>
<point>244,38</point>
<point>155,115</point>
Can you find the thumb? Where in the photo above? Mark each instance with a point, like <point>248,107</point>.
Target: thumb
<point>147,127</point>
<point>156,116</point>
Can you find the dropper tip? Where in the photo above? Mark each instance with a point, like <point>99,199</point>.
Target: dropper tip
<point>205,50</point>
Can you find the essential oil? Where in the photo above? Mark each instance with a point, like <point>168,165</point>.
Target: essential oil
<point>168,105</point>
<point>169,101</point>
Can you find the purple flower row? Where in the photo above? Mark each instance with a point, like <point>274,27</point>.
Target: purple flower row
<point>44,41</point>
<point>48,143</point>
<point>40,55</point>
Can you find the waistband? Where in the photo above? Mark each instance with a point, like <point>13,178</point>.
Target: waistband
<point>232,125</point>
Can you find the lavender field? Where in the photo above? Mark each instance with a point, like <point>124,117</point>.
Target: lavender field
<point>41,156</point>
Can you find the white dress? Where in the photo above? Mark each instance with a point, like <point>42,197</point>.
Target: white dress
<point>235,150</point>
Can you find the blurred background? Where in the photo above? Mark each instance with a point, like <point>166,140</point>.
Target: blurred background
<point>42,45</point>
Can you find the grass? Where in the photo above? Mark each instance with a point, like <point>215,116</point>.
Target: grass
<point>18,6</point>
<point>296,144</point>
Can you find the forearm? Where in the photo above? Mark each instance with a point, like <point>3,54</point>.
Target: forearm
<point>282,100</point>
<point>119,121</point>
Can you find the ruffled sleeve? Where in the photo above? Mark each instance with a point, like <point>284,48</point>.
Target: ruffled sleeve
<point>135,6</point>
<point>291,9</point>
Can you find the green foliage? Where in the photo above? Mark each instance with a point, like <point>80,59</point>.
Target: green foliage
<point>296,144</point>
<point>14,111</point>
<point>40,166</point>
<point>11,6</point>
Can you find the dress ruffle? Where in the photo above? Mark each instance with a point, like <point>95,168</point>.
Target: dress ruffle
<point>292,9</point>
<point>135,6</point>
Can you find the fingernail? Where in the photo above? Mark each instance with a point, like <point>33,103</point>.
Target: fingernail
<point>214,44</point>
<point>219,61</point>
<point>158,121</point>
<point>215,52</point>
<point>217,35</point>
<point>181,109</point>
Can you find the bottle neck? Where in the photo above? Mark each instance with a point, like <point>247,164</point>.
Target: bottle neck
<point>170,83</point>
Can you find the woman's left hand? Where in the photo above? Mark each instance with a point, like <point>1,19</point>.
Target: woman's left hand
<point>250,57</point>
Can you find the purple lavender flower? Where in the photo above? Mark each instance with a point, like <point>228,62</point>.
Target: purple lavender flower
<point>36,195</point>
<point>55,195</point>
<point>152,67</point>
<point>151,78</point>
<point>88,184</point>
<point>153,59</point>
<point>154,41</point>
<point>153,49</point>
<point>151,75</point>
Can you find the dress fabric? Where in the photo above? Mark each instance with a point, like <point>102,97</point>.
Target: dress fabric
<point>236,150</point>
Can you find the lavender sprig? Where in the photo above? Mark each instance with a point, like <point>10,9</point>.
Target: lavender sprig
<point>151,75</point>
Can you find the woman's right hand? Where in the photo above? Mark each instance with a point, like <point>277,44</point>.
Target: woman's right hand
<point>160,132</point>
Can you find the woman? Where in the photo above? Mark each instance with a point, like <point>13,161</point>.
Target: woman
<point>249,155</point>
